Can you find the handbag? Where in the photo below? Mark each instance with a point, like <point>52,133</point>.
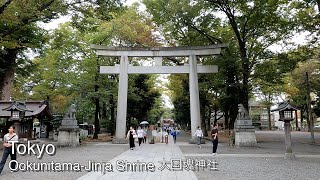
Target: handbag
<point>134,136</point>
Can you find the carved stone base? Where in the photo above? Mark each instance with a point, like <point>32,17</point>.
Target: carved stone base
<point>68,137</point>
<point>245,138</point>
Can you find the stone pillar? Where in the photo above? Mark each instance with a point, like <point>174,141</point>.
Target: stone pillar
<point>287,130</point>
<point>122,101</point>
<point>194,95</point>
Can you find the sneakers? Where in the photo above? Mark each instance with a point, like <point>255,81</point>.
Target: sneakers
<point>214,154</point>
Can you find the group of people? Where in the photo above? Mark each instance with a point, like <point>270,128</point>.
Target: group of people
<point>214,137</point>
<point>140,134</point>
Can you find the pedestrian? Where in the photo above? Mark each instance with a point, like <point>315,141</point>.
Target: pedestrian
<point>145,135</point>
<point>131,135</point>
<point>8,149</point>
<point>174,135</point>
<point>140,135</point>
<point>214,135</point>
<point>199,135</point>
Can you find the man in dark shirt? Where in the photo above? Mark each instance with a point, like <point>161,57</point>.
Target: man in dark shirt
<point>214,135</point>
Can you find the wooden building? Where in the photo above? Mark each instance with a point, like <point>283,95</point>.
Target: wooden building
<point>35,113</point>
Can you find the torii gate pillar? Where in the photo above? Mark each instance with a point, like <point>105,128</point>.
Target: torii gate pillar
<point>194,95</point>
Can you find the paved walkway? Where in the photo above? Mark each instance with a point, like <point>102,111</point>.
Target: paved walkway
<point>159,154</point>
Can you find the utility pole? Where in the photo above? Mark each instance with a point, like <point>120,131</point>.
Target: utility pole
<point>310,118</point>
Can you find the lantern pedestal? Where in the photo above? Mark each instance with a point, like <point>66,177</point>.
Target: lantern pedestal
<point>287,130</point>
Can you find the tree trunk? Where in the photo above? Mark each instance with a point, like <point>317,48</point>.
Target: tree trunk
<point>203,118</point>
<point>96,116</point>
<point>269,116</point>
<point>6,81</point>
<point>209,118</point>
<point>310,118</point>
<point>226,120</point>
<point>97,103</point>
<point>245,73</point>
<point>112,118</point>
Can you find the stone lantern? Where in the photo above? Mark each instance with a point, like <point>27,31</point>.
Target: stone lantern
<point>18,111</point>
<point>285,111</point>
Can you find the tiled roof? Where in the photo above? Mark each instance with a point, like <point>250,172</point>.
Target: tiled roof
<point>286,105</point>
<point>32,108</point>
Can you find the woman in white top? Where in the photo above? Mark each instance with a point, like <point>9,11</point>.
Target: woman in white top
<point>8,139</point>
<point>140,133</point>
<point>199,135</point>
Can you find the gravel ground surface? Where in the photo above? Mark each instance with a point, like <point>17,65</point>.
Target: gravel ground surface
<point>98,152</point>
<point>238,167</point>
<point>261,168</point>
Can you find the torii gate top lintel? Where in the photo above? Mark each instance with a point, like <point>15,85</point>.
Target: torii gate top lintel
<point>158,51</point>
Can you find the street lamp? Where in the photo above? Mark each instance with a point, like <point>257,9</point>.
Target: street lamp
<point>285,112</point>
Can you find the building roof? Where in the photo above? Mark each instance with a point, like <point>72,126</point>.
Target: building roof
<point>31,108</point>
<point>286,105</point>
<point>16,106</point>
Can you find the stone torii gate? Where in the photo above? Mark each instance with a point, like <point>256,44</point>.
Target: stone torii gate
<point>125,68</point>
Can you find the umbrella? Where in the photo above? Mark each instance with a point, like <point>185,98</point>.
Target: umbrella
<point>144,122</point>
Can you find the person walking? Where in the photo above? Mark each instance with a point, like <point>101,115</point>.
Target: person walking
<point>131,135</point>
<point>140,135</point>
<point>199,135</point>
<point>145,135</point>
<point>214,135</point>
<point>174,135</point>
<point>8,139</point>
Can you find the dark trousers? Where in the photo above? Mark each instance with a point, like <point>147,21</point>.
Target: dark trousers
<point>174,138</point>
<point>131,142</point>
<point>214,145</point>
<point>144,139</point>
<point>6,153</point>
<point>140,140</point>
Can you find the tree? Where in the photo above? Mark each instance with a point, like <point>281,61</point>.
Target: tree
<point>19,31</point>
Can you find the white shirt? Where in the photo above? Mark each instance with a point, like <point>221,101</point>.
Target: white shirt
<point>140,133</point>
<point>7,137</point>
<point>198,133</point>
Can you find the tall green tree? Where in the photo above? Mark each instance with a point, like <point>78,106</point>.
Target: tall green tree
<point>248,27</point>
<point>19,31</point>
